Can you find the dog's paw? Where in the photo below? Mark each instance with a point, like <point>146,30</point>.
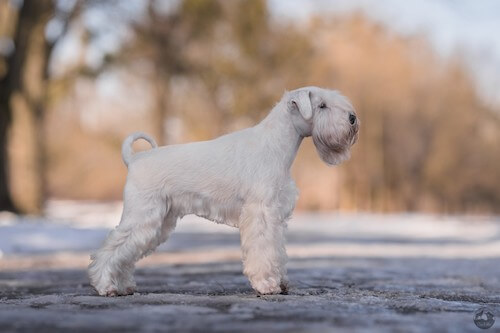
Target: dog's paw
<point>269,286</point>
<point>110,288</point>
<point>129,291</point>
<point>108,291</point>
<point>112,291</point>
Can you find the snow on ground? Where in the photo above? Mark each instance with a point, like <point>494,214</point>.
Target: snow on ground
<point>82,226</point>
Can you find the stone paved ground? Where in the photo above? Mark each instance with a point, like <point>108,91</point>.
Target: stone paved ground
<point>375,294</point>
<point>366,287</point>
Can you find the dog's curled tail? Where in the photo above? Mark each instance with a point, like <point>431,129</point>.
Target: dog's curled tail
<point>127,150</point>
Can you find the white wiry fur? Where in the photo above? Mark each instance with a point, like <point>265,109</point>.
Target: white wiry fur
<point>127,150</point>
<point>241,179</point>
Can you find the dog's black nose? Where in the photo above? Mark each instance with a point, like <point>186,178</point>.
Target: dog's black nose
<point>352,118</point>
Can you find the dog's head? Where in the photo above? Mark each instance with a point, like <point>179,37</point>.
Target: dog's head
<point>328,117</point>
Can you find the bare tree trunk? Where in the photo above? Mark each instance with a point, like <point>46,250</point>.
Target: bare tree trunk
<point>160,107</point>
<point>26,80</point>
<point>5,197</point>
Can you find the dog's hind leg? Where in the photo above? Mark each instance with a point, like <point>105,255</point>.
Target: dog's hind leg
<point>144,225</point>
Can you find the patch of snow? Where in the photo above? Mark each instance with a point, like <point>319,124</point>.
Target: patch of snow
<point>72,226</point>
<point>30,238</point>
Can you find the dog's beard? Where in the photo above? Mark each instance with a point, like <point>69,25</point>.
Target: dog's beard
<point>334,150</point>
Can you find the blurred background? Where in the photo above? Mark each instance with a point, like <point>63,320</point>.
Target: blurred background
<point>77,76</point>
<point>412,216</point>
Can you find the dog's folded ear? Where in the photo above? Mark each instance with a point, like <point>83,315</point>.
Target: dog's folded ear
<point>301,99</point>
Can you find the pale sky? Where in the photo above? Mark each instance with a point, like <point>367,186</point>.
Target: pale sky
<point>469,28</point>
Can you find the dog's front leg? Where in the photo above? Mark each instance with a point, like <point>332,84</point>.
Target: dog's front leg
<point>263,249</point>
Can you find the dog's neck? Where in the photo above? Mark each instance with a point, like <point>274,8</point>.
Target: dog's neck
<point>281,137</point>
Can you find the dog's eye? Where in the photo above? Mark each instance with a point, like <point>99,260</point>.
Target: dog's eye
<point>322,105</point>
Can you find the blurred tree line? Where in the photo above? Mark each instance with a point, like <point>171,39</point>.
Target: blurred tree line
<point>194,69</point>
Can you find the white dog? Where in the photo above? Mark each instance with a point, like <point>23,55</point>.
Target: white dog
<point>240,179</point>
